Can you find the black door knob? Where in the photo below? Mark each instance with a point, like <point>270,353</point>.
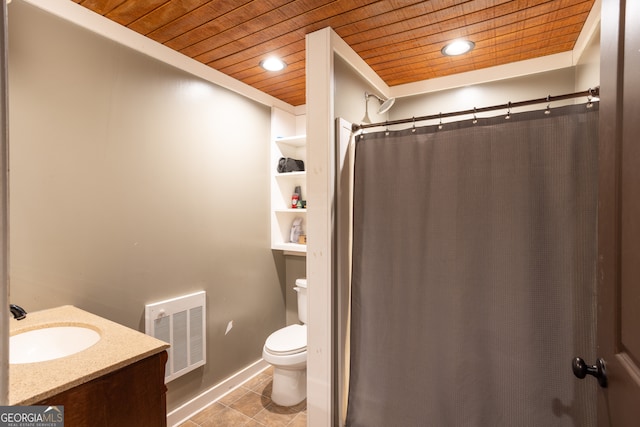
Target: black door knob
<point>581,369</point>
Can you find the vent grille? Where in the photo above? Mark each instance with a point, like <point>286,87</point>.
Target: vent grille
<point>180,322</point>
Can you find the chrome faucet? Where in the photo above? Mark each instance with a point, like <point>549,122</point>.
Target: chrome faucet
<point>18,312</point>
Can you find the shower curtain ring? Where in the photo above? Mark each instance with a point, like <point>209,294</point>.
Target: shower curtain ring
<point>387,129</point>
<point>413,127</point>
<point>440,124</point>
<point>475,119</point>
<point>508,116</point>
<point>548,109</point>
<point>591,92</point>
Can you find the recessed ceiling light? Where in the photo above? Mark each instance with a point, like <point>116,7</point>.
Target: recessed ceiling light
<point>457,47</point>
<point>273,64</point>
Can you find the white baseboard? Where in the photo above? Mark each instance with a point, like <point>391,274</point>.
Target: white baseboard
<point>198,403</point>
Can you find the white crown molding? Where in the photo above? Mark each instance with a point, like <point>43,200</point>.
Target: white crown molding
<point>345,51</point>
<point>589,29</point>
<point>85,18</point>
<point>514,69</point>
<point>500,72</point>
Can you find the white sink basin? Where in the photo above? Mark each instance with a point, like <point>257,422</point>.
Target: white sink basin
<point>39,345</point>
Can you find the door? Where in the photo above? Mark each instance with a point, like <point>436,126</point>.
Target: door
<point>619,214</point>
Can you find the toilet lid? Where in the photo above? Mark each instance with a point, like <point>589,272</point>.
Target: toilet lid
<point>289,340</point>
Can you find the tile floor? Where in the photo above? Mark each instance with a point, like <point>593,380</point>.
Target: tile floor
<point>250,405</point>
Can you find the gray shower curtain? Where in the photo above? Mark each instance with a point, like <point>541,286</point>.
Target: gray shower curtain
<point>474,263</point>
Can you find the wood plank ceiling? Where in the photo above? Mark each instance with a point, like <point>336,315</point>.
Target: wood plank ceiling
<point>400,39</point>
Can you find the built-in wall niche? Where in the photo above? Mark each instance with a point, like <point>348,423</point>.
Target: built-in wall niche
<point>283,185</point>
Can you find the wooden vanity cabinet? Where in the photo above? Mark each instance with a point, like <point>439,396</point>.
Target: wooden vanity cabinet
<point>131,396</point>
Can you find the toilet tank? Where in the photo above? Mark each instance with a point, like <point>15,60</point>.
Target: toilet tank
<point>301,289</point>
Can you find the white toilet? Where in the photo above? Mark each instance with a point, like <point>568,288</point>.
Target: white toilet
<point>286,350</point>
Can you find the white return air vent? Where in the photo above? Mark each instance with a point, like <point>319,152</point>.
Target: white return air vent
<point>180,322</point>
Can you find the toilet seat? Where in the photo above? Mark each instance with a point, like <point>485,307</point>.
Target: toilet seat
<point>287,341</point>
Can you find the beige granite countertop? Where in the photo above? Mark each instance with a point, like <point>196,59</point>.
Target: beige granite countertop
<point>118,347</point>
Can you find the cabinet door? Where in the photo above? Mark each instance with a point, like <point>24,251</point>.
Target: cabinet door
<point>134,396</point>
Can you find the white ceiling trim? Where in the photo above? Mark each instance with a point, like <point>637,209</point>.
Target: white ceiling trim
<point>589,29</point>
<point>514,69</point>
<point>485,75</point>
<point>85,18</point>
<point>78,15</point>
<point>340,47</point>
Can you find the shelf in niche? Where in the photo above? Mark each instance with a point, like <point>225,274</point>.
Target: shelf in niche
<point>294,141</point>
<point>292,210</point>
<point>282,187</point>
<point>291,247</point>
<point>291,174</point>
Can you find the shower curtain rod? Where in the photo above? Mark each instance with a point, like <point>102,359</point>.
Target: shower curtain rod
<point>588,93</point>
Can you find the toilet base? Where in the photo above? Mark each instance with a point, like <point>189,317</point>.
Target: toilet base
<point>289,386</point>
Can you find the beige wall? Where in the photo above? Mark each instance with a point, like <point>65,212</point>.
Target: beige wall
<point>296,269</point>
<point>350,88</point>
<point>588,66</point>
<point>556,82</point>
<point>132,182</point>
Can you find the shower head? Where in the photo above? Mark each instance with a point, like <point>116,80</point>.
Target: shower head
<point>384,105</point>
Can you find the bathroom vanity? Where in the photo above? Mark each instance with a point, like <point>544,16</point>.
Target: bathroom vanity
<point>117,381</point>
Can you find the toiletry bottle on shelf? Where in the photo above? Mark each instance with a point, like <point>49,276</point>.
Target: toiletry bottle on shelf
<point>296,230</point>
<point>296,197</point>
